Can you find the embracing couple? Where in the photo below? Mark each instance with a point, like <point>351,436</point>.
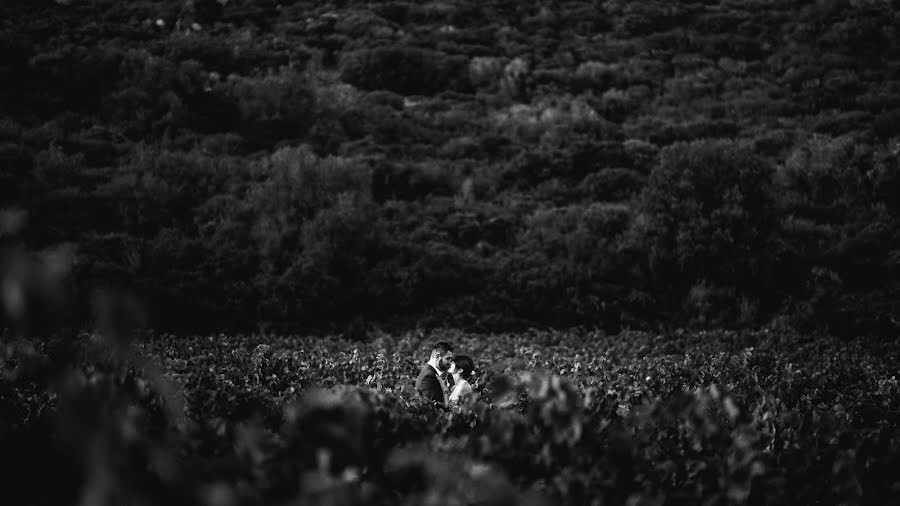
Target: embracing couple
<point>444,379</point>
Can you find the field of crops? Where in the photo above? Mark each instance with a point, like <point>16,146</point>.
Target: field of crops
<point>762,417</point>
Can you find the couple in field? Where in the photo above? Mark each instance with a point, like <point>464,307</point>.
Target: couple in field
<point>444,379</point>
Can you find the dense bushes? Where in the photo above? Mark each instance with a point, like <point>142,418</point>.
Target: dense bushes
<point>612,184</point>
<point>273,107</point>
<point>558,418</point>
<point>827,172</point>
<point>410,71</point>
<point>709,212</point>
<point>390,182</point>
<point>150,135</point>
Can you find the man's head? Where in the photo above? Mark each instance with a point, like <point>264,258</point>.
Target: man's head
<point>441,356</point>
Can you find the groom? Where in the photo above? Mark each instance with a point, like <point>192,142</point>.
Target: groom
<point>430,382</point>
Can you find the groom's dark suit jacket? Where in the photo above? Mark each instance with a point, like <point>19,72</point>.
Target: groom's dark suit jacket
<point>428,384</point>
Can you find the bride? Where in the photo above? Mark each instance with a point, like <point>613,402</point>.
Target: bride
<point>461,369</point>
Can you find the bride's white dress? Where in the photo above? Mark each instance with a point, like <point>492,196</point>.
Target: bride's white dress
<point>461,389</point>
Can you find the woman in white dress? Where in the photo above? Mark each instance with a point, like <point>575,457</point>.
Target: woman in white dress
<point>461,369</point>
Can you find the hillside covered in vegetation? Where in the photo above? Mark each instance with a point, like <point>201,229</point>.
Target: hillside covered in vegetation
<point>487,164</point>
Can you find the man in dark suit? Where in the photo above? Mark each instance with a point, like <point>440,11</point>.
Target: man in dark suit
<point>430,382</point>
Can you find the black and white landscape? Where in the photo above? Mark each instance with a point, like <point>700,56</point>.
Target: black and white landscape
<point>474,252</point>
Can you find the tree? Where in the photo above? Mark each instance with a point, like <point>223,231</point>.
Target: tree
<point>708,213</point>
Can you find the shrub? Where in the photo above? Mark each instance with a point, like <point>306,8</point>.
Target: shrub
<point>731,45</point>
<point>644,18</point>
<point>597,76</point>
<point>616,104</point>
<point>880,99</point>
<point>640,154</point>
<point>887,179</point>
<point>712,306</point>
<point>156,188</point>
<point>421,268</point>
<point>612,184</point>
<point>662,132</point>
<point>55,169</point>
<point>361,24</point>
<point>690,86</point>
<point>708,211</point>
<point>397,12</point>
<point>773,142</point>
<point>486,71</point>
<point>514,82</point>
<point>274,107</point>
<point>328,278</point>
<point>587,235</point>
<point>75,77</point>
<point>462,147</point>
<point>296,185</point>
<point>842,123</point>
<point>588,154</point>
<point>17,163</point>
<point>386,125</point>
<point>825,171</point>
<point>149,96</point>
<point>204,11</point>
<point>605,221</point>
<point>887,124</point>
<point>383,98</point>
<point>530,122</point>
<point>721,22</point>
<point>819,308</point>
<point>235,52</point>
<point>529,168</point>
<point>404,182</point>
<point>405,70</point>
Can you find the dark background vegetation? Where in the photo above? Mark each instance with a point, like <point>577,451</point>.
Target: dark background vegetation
<point>484,164</point>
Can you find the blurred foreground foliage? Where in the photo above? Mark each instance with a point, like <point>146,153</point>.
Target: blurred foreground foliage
<point>764,417</point>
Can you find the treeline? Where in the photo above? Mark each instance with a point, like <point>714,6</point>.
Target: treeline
<point>484,164</point>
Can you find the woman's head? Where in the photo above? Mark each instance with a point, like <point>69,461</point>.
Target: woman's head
<point>463,366</point>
